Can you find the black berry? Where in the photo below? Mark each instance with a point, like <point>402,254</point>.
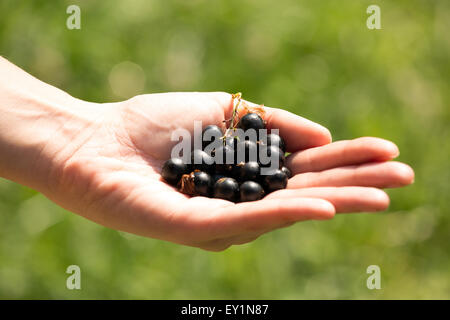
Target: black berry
<point>251,191</point>
<point>173,169</point>
<point>276,180</point>
<point>226,188</point>
<point>249,171</point>
<point>251,121</point>
<point>202,183</point>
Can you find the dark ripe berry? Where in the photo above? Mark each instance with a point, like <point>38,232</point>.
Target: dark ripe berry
<point>275,140</point>
<point>246,151</point>
<point>249,171</point>
<point>268,154</point>
<point>251,191</point>
<point>210,133</point>
<point>173,169</point>
<point>202,161</point>
<point>224,159</point>
<point>251,121</point>
<point>287,171</point>
<point>226,188</point>
<point>202,183</point>
<point>197,183</point>
<point>276,180</point>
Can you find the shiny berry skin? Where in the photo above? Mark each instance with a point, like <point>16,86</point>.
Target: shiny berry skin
<point>251,191</point>
<point>275,181</point>
<point>273,153</point>
<point>287,171</point>
<point>251,121</point>
<point>249,171</point>
<point>173,169</point>
<point>226,188</point>
<point>211,133</point>
<point>202,183</point>
<point>276,140</point>
<point>202,161</point>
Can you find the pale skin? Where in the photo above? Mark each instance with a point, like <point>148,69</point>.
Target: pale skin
<point>103,162</point>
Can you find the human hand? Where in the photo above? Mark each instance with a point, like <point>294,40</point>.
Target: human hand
<point>112,175</point>
<point>103,161</point>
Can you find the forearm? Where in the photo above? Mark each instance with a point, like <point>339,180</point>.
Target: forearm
<point>36,122</point>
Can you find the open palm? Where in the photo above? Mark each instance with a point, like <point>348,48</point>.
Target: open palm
<point>111,174</point>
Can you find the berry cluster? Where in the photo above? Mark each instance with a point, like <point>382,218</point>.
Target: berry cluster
<point>231,168</point>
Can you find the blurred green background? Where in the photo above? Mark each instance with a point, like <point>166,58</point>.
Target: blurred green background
<point>315,58</point>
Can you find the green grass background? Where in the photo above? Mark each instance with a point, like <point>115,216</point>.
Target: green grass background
<point>315,58</point>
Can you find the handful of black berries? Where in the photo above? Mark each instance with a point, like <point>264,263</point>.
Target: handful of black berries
<point>244,163</point>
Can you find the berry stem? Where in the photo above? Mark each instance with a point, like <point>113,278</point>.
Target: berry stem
<point>237,98</point>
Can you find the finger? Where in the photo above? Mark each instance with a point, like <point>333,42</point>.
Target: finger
<point>342,153</point>
<point>344,199</point>
<point>256,216</point>
<point>299,133</point>
<point>380,175</point>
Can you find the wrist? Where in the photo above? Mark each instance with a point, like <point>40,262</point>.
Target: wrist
<point>38,132</point>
